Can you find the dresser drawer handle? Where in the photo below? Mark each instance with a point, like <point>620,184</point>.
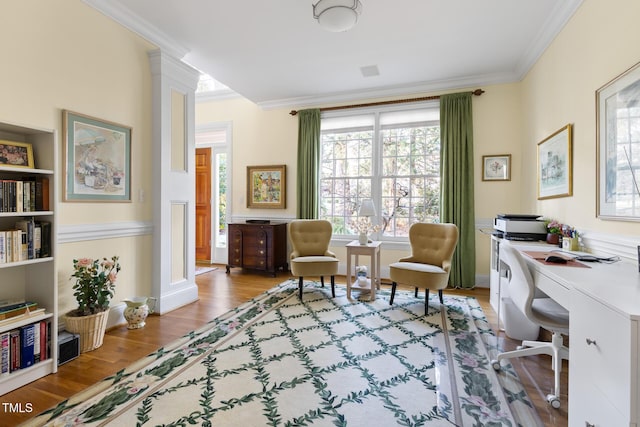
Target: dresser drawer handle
<point>261,262</point>
<point>262,242</point>
<point>237,250</point>
<point>261,252</point>
<point>591,342</point>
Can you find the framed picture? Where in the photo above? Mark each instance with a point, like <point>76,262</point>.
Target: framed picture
<point>618,147</point>
<point>496,167</point>
<point>555,168</point>
<point>97,159</point>
<point>266,186</point>
<point>16,154</point>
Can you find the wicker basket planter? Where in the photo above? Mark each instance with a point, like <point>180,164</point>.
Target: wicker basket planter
<point>90,328</point>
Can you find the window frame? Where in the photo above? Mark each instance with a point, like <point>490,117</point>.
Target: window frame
<point>391,242</point>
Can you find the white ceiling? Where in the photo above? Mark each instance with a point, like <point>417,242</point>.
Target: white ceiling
<point>275,54</point>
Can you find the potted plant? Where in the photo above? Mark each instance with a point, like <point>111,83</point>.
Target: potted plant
<point>554,230</point>
<point>93,290</point>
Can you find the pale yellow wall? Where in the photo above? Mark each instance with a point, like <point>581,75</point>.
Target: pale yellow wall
<point>263,137</point>
<point>259,138</point>
<point>65,55</point>
<point>599,43</point>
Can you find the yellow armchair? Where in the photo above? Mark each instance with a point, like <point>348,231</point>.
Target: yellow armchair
<point>311,255</point>
<point>428,266</point>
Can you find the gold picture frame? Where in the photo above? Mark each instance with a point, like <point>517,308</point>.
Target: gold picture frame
<point>617,148</point>
<point>496,167</point>
<point>16,154</point>
<point>555,164</point>
<point>266,187</point>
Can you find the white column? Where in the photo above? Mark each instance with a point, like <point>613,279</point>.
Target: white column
<point>174,85</point>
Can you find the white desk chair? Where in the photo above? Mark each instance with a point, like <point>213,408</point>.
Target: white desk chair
<point>541,310</point>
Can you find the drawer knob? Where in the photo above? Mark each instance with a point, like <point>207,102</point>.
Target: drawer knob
<point>261,252</point>
<point>591,342</point>
<point>262,242</point>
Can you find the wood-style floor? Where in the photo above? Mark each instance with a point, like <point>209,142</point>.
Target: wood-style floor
<point>218,293</point>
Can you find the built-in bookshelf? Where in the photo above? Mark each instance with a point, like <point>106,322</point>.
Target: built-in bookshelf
<point>28,277</point>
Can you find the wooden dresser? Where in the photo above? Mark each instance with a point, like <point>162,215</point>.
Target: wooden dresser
<point>258,246</point>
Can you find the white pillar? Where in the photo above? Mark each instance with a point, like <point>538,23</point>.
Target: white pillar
<point>174,85</point>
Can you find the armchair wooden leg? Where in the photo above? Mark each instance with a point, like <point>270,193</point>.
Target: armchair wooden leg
<point>416,293</point>
<point>333,286</point>
<point>322,281</point>
<point>440,295</point>
<point>300,282</point>
<point>393,292</point>
<point>426,301</point>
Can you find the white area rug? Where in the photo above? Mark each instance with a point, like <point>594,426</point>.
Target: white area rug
<point>276,361</point>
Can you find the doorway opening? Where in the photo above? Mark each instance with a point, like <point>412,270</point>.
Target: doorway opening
<point>212,187</point>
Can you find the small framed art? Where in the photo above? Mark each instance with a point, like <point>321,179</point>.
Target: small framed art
<point>555,169</point>
<point>266,187</point>
<point>496,167</point>
<point>16,154</point>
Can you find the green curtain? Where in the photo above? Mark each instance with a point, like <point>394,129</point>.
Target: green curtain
<point>456,192</point>
<point>308,163</point>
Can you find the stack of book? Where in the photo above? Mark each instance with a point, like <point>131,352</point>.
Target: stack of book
<point>29,239</point>
<point>26,345</point>
<point>24,196</point>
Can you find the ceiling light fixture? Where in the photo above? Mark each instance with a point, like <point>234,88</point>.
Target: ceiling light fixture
<point>337,15</point>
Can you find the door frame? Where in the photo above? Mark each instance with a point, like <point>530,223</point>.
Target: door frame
<point>218,255</point>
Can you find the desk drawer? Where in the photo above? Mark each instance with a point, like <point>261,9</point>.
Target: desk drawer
<point>600,351</point>
<point>592,408</point>
<point>555,290</point>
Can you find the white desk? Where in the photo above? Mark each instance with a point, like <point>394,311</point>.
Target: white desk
<point>604,337</point>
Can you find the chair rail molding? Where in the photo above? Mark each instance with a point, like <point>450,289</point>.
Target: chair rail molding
<point>110,230</point>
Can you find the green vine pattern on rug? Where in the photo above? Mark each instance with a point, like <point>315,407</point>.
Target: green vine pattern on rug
<point>480,403</point>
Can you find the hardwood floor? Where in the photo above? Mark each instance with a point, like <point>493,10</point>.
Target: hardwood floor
<point>220,292</point>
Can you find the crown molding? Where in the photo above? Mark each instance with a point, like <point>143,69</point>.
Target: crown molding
<point>131,21</point>
<point>562,13</point>
<point>390,91</point>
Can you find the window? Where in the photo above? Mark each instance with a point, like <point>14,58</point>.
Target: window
<point>391,156</point>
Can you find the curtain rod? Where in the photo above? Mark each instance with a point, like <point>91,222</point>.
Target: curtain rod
<point>476,92</point>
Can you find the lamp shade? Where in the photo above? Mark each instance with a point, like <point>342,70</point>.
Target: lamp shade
<point>337,15</point>
<point>367,208</point>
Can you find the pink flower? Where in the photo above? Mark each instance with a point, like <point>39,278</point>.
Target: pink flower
<point>85,262</point>
<point>112,277</point>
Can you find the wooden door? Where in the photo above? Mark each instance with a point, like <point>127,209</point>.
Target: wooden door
<point>203,204</point>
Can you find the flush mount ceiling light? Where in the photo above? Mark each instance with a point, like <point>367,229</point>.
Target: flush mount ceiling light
<point>337,15</point>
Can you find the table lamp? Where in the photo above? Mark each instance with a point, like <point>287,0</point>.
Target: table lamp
<point>367,210</point>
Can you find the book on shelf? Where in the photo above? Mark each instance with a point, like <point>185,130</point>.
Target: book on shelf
<point>21,317</point>
<point>5,358</point>
<point>17,309</point>
<point>27,226</point>
<point>14,350</point>
<point>27,345</point>
<point>28,195</point>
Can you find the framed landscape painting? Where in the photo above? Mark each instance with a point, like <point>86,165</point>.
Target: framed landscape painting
<point>555,173</point>
<point>266,187</point>
<point>97,159</point>
<point>618,147</point>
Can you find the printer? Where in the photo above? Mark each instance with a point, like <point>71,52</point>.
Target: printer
<point>519,227</point>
